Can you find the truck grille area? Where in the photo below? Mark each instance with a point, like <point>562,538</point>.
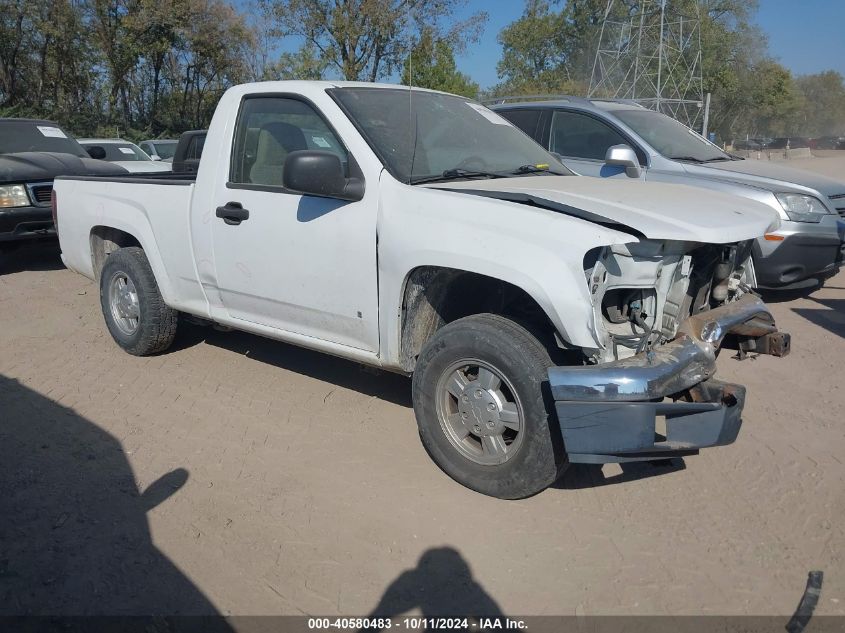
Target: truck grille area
<point>39,193</point>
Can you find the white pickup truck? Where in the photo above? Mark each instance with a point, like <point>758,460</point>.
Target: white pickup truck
<point>545,318</point>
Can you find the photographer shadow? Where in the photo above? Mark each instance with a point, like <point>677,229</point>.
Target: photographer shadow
<point>76,539</point>
<point>441,585</point>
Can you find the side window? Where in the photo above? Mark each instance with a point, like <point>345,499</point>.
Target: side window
<point>270,128</point>
<point>581,136</point>
<point>195,146</point>
<point>525,120</point>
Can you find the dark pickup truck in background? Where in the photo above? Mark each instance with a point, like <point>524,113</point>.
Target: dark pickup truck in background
<point>186,159</point>
<point>32,154</point>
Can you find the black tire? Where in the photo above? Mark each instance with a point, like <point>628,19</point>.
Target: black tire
<point>157,322</point>
<point>523,361</point>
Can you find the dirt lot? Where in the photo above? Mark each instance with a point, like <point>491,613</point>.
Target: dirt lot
<point>243,476</point>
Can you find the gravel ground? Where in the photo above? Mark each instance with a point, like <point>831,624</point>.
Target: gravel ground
<point>238,475</point>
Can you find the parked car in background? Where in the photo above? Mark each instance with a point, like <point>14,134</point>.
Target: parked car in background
<point>828,142</point>
<point>448,246</point>
<point>160,149</point>
<point>186,159</point>
<point>123,153</point>
<point>32,153</point>
<point>791,142</point>
<point>615,139</point>
<point>748,144</point>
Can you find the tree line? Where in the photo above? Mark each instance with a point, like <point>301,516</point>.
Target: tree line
<point>157,67</point>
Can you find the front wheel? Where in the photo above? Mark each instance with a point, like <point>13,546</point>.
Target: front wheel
<point>480,394</point>
<point>135,313</point>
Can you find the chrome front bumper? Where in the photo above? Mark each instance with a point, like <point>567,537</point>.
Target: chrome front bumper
<point>609,412</point>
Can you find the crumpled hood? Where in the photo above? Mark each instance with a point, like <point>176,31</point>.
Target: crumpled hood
<point>768,174</point>
<point>654,210</point>
<point>38,166</point>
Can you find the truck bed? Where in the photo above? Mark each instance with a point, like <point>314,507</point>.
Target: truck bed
<point>152,210</point>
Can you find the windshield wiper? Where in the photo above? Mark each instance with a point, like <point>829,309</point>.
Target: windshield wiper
<point>454,174</point>
<point>694,159</point>
<point>531,169</point>
<point>537,169</point>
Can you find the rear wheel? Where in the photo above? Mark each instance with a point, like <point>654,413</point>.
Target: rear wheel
<point>135,313</point>
<point>480,392</point>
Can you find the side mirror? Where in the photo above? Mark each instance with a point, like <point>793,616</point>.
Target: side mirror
<point>320,173</point>
<point>96,151</point>
<point>626,157</point>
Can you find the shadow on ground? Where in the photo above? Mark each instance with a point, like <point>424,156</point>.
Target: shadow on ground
<point>441,584</point>
<point>73,524</point>
<point>384,385</point>
<point>831,316</point>
<point>36,256</point>
<point>785,296</point>
<point>579,476</point>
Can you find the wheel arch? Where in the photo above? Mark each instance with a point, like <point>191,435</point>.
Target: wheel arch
<point>433,296</point>
<point>106,238</point>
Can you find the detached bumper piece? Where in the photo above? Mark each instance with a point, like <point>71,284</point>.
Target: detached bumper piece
<point>599,433</point>
<point>619,412</point>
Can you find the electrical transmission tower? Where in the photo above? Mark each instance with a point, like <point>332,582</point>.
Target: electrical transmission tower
<point>652,57</point>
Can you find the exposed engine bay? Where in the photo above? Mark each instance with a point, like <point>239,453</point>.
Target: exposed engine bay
<point>641,292</point>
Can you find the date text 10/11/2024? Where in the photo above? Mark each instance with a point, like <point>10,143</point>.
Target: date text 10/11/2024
<point>417,624</point>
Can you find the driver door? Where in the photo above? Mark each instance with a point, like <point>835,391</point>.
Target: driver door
<point>294,263</point>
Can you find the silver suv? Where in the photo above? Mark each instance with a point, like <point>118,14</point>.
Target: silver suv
<point>620,139</point>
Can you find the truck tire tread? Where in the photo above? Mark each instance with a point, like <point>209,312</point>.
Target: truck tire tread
<point>541,459</point>
<point>158,321</point>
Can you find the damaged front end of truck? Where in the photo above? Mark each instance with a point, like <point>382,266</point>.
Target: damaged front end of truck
<point>662,312</point>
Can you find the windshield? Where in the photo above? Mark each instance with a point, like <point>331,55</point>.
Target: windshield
<point>119,151</point>
<point>422,135</point>
<point>165,149</point>
<point>669,137</point>
<point>36,136</point>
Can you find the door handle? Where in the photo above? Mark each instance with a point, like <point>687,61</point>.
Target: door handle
<point>232,213</point>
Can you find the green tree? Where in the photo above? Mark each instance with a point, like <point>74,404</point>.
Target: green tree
<point>431,64</point>
<point>775,102</point>
<point>304,64</point>
<point>365,40</point>
<point>823,111</point>
<point>157,25</point>
<point>47,61</point>
<point>120,49</point>
<point>534,52</point>
<point>549,49</point>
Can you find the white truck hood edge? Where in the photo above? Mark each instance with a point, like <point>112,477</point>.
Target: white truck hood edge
<point>656,210</point>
